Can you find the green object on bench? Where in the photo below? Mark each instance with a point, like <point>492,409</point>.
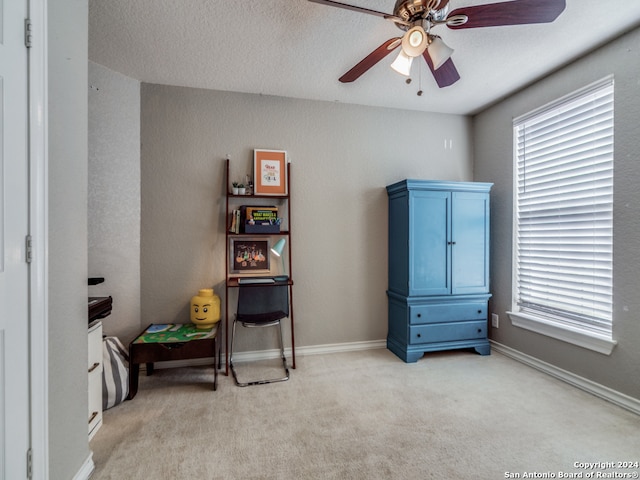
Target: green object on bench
<point>174,333</point>
<point>164,342</point>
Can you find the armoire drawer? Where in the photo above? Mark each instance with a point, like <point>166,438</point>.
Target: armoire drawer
<point>447,312</point>
<point>446,332</point>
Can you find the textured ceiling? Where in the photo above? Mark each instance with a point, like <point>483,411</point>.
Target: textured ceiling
<point>295,48</point>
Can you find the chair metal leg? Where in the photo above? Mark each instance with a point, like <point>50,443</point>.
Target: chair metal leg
<point>259,382</point>
<point>284,358</point>
<point>233,370</point>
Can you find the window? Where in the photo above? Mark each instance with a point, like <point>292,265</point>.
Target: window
<point>564,218</point>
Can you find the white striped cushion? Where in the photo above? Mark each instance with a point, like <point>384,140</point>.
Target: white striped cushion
<point>115,373</point>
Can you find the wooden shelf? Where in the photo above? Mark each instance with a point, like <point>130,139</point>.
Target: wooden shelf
<point>284,233</point>
<point>276,197</point>
<point>232,282</point>
<point>232,201</point>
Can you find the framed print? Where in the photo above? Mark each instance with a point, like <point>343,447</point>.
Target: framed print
<point>249,255</point>
<point>269,172</point>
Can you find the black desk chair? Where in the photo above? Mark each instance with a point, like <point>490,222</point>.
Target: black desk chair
<point>261,306</point>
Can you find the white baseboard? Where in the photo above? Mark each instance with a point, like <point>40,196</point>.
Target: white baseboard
<point>275,353</point>
<point>310,350</point>
<point>342,347</point>
<point>86,470</point>
<point>606,393</point>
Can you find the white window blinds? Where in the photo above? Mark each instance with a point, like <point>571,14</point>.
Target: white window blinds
<point>564,204</point>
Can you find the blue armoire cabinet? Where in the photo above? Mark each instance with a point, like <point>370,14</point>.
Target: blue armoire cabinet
<point>438,288</point>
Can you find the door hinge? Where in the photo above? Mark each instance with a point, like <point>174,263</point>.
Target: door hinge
<point>28,32</point>
<point>29,249</point>
<point>29,464</point>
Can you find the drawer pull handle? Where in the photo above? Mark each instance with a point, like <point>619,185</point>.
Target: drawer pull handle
<point>93,416</point>
<point>419,315</point>
<point>479,330</point>
<point>419,335</point>
<point>479,311</point>
<point>94,366</point>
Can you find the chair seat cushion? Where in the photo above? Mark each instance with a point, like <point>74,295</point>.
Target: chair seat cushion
<point>258,318</point>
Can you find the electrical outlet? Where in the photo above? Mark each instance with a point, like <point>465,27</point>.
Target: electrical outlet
<point>495,320</point>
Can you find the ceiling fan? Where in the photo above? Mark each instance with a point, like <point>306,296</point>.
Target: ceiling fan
<point>419,17</point>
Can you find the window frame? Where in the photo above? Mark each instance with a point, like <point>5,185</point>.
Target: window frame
<point>584,337</point>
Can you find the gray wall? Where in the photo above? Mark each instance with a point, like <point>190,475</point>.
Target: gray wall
<point>67,221</point>
<point>493,151</point>
<point>342,158</point>
<point>114,196</point>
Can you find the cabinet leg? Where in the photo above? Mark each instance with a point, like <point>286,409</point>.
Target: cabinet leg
<point>413,357</point>
<point>483,349</point>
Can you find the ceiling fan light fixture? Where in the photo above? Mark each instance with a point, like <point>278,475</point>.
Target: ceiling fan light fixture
<point>415,41</point>
<point>402,64</point>
<point>416,18</point>
<point>438,51</point>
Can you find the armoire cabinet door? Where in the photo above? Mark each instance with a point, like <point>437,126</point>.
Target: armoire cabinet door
<point>429,259</point>
<point>469,243</point>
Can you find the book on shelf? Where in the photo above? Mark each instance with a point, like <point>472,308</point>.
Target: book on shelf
<point>232,223</point>
<point>235,223</point>
<point>263,216</point>
<point>259,219</point>
<point>259,213</point>
<point>251,219</point>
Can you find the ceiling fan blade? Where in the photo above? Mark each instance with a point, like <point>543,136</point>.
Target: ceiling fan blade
<point>446,75</point>
<point>515,12</point>
<point>352,7</point>
<point>370,60</point>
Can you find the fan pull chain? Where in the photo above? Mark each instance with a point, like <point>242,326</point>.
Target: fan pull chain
<point>409,80</point>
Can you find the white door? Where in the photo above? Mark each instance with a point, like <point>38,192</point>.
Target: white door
<point>14,221</point>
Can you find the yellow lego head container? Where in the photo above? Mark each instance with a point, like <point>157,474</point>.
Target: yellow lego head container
<point>205,308</point>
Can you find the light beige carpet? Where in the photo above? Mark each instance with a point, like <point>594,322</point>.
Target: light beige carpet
<point>363,415</point>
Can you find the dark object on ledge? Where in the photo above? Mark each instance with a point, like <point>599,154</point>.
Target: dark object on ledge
<point>99,307</point>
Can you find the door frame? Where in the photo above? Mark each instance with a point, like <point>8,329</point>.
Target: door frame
<point>38,229</point>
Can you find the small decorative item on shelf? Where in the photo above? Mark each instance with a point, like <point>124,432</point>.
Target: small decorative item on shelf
<point>234,190</point>
<point>205,308</point>
<point>241,189</point>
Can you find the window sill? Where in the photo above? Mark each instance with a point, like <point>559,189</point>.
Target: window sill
<point>591,341</point>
